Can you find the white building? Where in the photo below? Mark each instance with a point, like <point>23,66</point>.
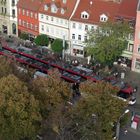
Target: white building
<point>91,13</point>
<point>54,18</point>
<point>8,17</point>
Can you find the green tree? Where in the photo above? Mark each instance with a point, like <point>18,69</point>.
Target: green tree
<point>108,41</point>
<point>42,40</point>
<point>6,66</point>
<point>96,111</point>
<point>51,92</point>
<point>19,110</point>
<point>24,36</point>
<point>57,45</point>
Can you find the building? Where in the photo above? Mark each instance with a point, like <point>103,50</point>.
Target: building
<point>136,51</point>
<point>90,14</point>
<point>54,17</point>
<point>13,17</point>
<point>8,17</point>
<point>28,21</point>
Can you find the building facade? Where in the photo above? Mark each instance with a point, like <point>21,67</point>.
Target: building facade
<point>136,51</point>
<point>28,21</point>
<point>54,18</point>
<point>8,17</point>
<point>90,14</point>
<point>5,16</point>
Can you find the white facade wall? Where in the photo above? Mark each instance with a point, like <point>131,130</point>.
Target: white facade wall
<point>79,30</point>
<point>53,26</point>
<point>6,18</point>
<point>13,17</point>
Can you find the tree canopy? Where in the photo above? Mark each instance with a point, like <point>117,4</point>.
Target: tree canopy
<point>96,111</point>
<point>42,40</point>
<point>51,92</point>
<point>108,41</point>
<point>19,110</point>
<point>57,45</point>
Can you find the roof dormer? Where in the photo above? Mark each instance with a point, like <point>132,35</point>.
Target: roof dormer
<point>64,1</point>
<point>84,15</point>
<point>54,8</point>
<point>46,7</point>
<point>103,18</point>
<point>62,10</point>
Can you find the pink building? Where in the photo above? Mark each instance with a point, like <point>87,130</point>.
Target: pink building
<point>136,50</point>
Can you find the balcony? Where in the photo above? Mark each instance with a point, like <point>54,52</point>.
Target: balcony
<point>13,4</point>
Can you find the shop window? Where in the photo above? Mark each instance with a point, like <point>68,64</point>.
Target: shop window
<point>137,64</point>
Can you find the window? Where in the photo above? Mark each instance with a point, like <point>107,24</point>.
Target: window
<point>74,25</point>
<point>2,10</point>
<point>31,14</point>
<point>62,11</point>
<point>5,10</point>
<point>80,26</point>
<point>137,64</point>
<point>27,13</point>
<point>19,10</point>
<point>35,15</point>
<point>139,49</point>
<point>36,27</point>
<point>54,8</point>
<point>19,21</point>
<point>47,29</point>
<point>139,35</point>
<point>85,38</point>
<point>103,18</point>
<point>46,7</point>
<point>13,12</point>
<point>64,1</point>
<point>42,16</point>
<point>84,16</point>
<point>130,47</point>
<point>42,27</point>
<point>73,36</point>
<point>61,21</point>
<point>27,25</point>
<point>13,2</point>
<point>31,26</point>
<point>86,27</point>
<point>23,12</point>
<point>51,18</point>
<point>47,18</point>
<point>79,37</point>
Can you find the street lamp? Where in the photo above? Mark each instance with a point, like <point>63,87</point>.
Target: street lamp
<point>118,124</point>
<point>63,51</point>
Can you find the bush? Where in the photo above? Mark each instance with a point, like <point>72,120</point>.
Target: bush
<point>42,40</point>
<point>24,36</point>
<point>57,45</point>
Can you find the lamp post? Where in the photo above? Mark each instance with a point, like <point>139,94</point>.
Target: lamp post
<point>118,124</point>
<point>63,51</point>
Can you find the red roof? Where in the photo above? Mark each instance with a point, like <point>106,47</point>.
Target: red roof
<point>126,8</point>
<point>68,8</point>
<point>32,5</point>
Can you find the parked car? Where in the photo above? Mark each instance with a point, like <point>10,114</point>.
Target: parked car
<point>135,120</point>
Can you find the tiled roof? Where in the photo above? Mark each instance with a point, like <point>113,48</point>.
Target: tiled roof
<point>32,5</point>
<point>126,8</point>
<point>68,7</point>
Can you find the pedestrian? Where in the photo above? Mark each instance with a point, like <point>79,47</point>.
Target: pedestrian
<point>125,131</point>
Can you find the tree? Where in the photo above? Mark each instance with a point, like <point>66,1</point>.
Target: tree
<point>6,66</point>
<point>51,92</point>
<point>42,40</point>
<point>107,43</point>
<point>57,45</point>
<point>96,111</point>
<point>19,110</point>
<point>24,36</point>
